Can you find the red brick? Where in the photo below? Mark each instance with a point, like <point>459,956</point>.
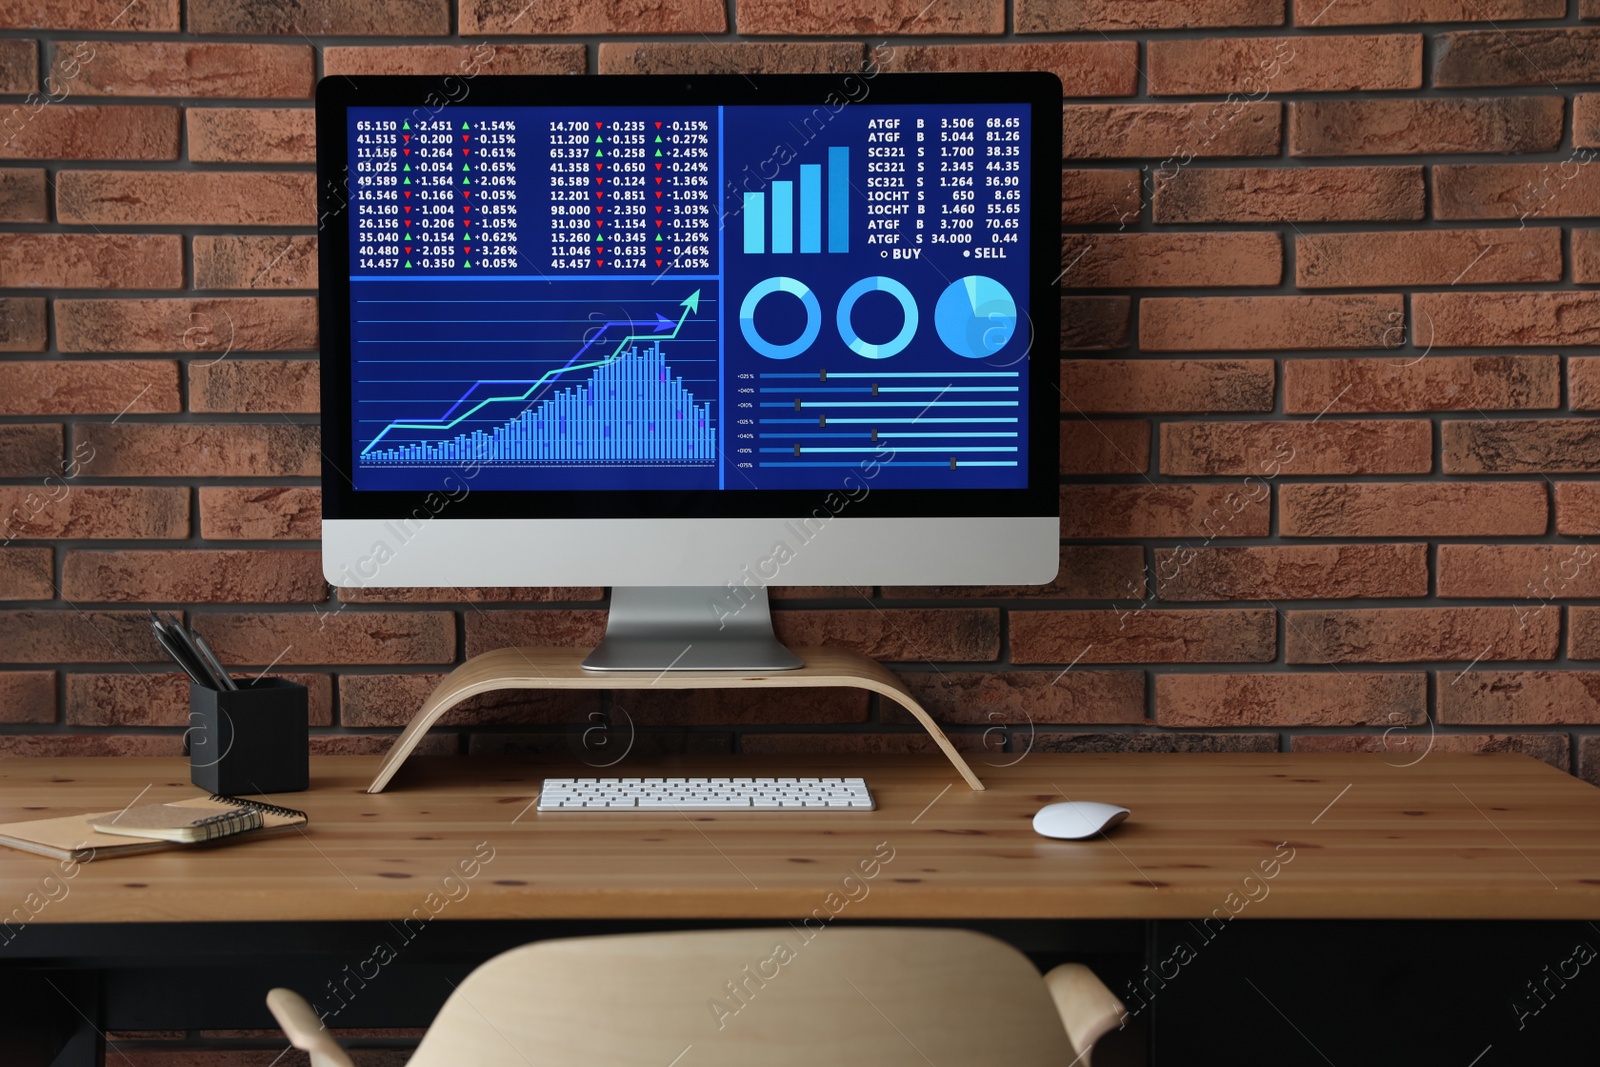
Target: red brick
<point>1586,120</point>
<point>465,61</point>
<point>1519,698</point>
<point>1516,190</point>
<point>1049,16</point>
<point>1099,196</point>
<point>254,385</point>
<point>275,262</point>
<point>392,699</point>
<point>22,324</point>
<point>22,196</point>
<point>81,512</point>
<point>1292,572</point>
<point>29,746</point>
<point>177,68</point>
<point>912,742</point>
<point>1086,68</point>
<point>548,628</point>
<point>206,450</point>
<point>1437,383</point>
<point>1105,446</point>
<point>68,131</point>
<point>91,261</point>
<point>155,198</point>
<point>264,513</point>
<point>1586,257</point>
<point>1182,260</point>
<point>1520,446</point>
<point>1366,446</point>
<point>27,696</point>
<point>1256,323</point>
<point>193,575</point>
<point>1340,698</point>
<point>83,387</point>
<point>717,707</point>
<point>1167,386</point>
<point>1584,642</point>
<point>594,17</point>
<point>26,574</point>
<point>163,699</point>
<point>1140,636</point>
<point>1409,748</point>
<point>897,635</point>
<point>1578,508</point>
<point>1258,65</point>
<point>723,57</point>
<point>1427,257</point>
<point>19,66</point>
<point>1539,572</point>
<point>1088,572</point>
<point>1469,319</point>
<point>1299,194</point>
<point>1166,131</point>
<point>1589,747</point>
<point>1588,10</point>
<point>72,636</point>
<point>312,636</point>
<point>308,18</point>
<point>474,594</point>
<point>1419,509</point>
<point>160,16</point>
<point>988,698</point>
<point>899,17</point>
<point>1380,12</point>
<point>1413,127</point>
<point>1413,635</point>
<point>434,744</point>
<point>211,327</point>
<point>1094,744</point>
<point>251,135</point>
<point>29,451</point>
<point>1165,510</point>
<point>1517,57</point>
<point>1095,322</point>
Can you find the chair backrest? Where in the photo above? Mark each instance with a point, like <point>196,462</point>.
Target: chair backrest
<point>783,996</point>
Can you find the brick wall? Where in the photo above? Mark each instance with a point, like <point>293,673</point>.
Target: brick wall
<point>1327,450</point>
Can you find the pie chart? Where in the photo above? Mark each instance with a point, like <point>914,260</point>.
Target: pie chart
<point>975,316</point>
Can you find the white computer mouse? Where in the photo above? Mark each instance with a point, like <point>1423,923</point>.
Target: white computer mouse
<point>1073,819</point>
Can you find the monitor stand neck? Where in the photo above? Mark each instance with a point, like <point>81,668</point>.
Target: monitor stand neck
<point>690,628</point>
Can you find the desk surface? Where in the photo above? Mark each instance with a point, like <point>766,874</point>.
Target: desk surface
<point>1490,837</point>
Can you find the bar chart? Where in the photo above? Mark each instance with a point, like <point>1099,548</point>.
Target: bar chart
<point>774,209</point>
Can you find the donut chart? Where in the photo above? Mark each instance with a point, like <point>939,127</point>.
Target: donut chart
<point>908,306</point>
<point>975,316</point>
<point>761,290</point>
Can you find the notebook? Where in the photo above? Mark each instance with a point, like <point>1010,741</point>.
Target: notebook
<point>208,819</point>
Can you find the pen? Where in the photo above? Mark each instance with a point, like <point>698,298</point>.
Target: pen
<point>185,638</point>
<point>210,659</point>
<point>174,648</point>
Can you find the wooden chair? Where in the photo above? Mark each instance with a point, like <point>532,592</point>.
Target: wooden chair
<point>780,997</point>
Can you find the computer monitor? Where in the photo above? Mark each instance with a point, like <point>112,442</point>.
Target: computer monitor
<point>690,337</point>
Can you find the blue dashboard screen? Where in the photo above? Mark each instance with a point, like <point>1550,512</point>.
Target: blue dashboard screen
<point>690,298</point>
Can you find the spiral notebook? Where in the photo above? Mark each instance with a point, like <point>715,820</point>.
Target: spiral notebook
<point>149,827</point>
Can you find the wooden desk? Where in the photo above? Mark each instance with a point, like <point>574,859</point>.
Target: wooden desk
<point>186,940</point>
<point>1467,837</point>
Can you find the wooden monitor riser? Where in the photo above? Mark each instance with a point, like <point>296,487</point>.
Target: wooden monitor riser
<point>561,668</point>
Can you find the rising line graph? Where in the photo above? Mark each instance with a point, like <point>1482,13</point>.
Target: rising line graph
<point>450,420</point>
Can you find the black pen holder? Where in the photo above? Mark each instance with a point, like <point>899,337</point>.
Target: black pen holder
<point>251,740</point>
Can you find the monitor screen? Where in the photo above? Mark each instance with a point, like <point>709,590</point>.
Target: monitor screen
<point>691,295</point>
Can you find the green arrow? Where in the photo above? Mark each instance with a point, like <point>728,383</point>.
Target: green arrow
<point>407,126</point>
<point>408,264</point>
<point>692,303</point>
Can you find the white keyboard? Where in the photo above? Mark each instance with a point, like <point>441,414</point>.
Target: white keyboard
<point>705,794</point>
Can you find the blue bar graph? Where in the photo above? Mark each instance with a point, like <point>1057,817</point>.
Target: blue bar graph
<point>838,198</point>
<point>631,410</point>
<point>754,222</point>
<point>810,207</point>
<point>783,216</point>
